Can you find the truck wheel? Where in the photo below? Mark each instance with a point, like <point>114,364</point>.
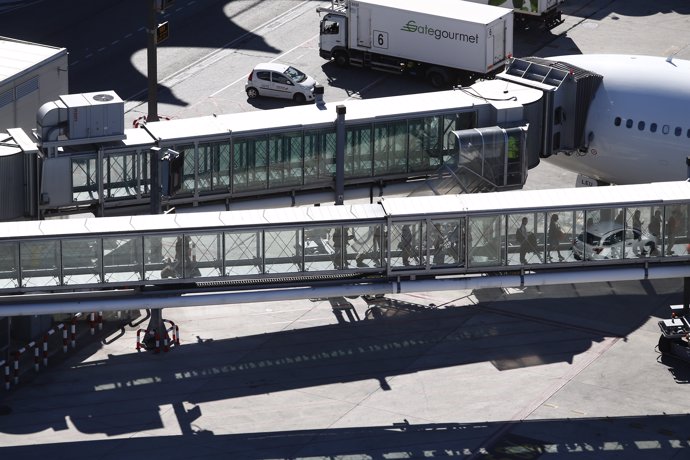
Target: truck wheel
<point>252,93</point>
<point>341,59</point>
<point>437,79</point>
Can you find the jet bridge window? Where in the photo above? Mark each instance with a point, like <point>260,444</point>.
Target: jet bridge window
<point>494,153</point>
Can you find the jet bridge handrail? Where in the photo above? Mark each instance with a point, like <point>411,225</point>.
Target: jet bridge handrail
<point>397,238</point>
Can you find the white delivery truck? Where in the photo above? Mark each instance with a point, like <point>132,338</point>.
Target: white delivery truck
<point>444,41</point>
<point>546,12</point>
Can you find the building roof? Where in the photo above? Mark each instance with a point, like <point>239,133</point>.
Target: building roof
<point>18,56</point>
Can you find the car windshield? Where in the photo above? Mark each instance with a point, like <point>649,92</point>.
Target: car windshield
<point>295,74</point>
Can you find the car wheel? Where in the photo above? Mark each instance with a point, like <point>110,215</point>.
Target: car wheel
<point>299,98</point>
<point>252,93</point>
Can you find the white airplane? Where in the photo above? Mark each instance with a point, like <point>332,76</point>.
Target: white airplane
<point>638,125</point>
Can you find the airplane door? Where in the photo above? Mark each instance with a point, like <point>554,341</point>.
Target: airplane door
<point>364,27</point>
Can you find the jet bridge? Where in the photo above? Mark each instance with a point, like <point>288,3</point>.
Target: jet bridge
<point>568,93</point>
<point>398,245</point>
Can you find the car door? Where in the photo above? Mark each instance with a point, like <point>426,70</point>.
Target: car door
<point>281,85</point>
<point>263,83</point>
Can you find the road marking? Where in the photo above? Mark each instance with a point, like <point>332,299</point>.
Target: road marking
<point>272,60</point>
<point>208,59</point>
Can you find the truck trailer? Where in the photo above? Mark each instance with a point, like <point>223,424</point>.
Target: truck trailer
<point>528,12</point>
<point>448,42</point>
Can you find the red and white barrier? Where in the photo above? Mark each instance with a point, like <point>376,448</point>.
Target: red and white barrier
<point>170,336</point>
<point>174,330</point>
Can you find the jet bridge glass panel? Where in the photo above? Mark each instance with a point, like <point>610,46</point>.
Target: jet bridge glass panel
<point>81,261</point>
<point>424,143</point>
<point>250,164</point>
<point>390,148</point>
<point>498,156</point>
<point>358,154</point>
<point>189,168</point>
<point>319,253</point>
<point>214,166</point>
<point>9,265</point>
<point>283,251</point>
<point>243,253</point>
<point>123,259</point>
<point>85,178</point>
<point>319,156</point>
<point>285,160</point>
<point>408,244</point>
<point>124,174</point>
<point>40,263</point>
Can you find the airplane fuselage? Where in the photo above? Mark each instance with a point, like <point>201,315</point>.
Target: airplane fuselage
<point>638,125</point>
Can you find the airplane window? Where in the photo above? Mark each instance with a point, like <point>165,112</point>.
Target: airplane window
<point>665,129</point>
<point>617,121</point>
<point>628,123</point>
<point>640,126</point>
<point>678,131</point>
<point>688,133</point>
<point>652,127</point>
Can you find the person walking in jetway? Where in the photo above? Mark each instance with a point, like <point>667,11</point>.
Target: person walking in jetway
<point>521,236</point>
<point>620,218</point>
<point>407,245</point>
<point>672,225</point>
<point>341,239</point>
<point>638,247</point>
<point>654,228</point>
<point>176,268</point>
<point>555,237</point>
<point>439,251</point>
<point>527,241</point>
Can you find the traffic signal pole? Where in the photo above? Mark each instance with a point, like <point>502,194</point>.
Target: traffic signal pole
<point>152,61</point>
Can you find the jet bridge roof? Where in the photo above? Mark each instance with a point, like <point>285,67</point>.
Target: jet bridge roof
<point>530,200</point>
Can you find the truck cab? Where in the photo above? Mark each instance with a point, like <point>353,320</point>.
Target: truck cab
<point>333,38</point>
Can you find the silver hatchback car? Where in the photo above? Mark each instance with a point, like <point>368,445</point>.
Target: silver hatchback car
<point>273,79</point>
<point>610,240</point>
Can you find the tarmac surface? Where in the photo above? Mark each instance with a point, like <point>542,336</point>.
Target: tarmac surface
<point>551,372</point>
<point>567,372</point>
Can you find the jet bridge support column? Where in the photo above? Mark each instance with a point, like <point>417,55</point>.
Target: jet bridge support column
<point>686,280</point>
<point>155,331</point>
<point>686,296</point>
<point>340,154</point>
